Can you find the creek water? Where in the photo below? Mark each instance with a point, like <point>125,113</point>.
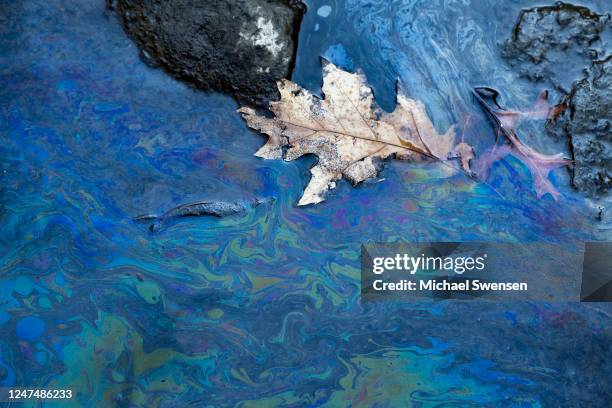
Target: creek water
<point>263,308</point>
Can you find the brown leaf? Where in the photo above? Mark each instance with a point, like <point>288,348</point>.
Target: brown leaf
<point>345,130</point>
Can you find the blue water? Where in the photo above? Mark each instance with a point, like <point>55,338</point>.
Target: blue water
<point>263,309</point>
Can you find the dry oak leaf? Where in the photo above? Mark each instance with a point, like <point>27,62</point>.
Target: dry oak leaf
<point>346,130</point>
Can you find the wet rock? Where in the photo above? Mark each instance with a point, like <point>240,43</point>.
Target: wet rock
<point>556,42</point>
<point>587,124</point>
<point>241,47</point>
<point>566,45</point>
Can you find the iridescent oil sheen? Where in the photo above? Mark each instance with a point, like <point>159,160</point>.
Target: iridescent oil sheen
<point>263,309</point>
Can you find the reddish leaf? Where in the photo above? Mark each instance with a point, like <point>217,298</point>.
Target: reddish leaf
<point>539,164</point>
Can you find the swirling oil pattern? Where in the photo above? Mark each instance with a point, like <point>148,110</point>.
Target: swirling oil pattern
<point>262,309</point>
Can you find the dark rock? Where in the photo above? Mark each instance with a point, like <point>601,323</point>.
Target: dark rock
<point>587,123</point>
<point>556,42</point>
<point>241,47</point>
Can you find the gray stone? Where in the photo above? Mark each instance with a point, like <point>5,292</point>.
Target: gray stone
<point>556,42</point>
<point>566,45</point>
<point>587,124</point>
